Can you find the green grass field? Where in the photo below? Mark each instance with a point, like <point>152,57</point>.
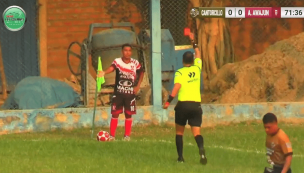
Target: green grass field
<point>230,149</point>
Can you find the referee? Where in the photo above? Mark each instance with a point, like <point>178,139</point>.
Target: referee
<point>188,108</point>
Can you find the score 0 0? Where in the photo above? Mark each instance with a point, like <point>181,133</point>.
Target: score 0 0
<point>235,12</point>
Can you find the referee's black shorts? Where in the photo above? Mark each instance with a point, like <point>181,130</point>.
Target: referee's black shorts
<point>188,111</point>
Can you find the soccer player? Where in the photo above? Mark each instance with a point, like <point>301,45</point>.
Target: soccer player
<point>127,71</point>
<point>279,150</point>
<point>188,108</point>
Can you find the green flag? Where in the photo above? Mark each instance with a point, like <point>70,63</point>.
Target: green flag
<point>99,80</point>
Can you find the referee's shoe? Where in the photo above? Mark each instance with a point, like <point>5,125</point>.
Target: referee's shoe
<point>202,154</point>
<point>180,160</point>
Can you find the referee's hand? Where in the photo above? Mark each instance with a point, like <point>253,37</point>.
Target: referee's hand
<point>166,105</point>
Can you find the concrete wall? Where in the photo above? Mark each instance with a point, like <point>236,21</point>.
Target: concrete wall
<point>18,121</point>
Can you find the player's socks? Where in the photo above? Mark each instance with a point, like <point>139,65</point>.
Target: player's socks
<point>113,126</point>
<point>128,126</point>
<point>200,143</point>
<point>179,145</point>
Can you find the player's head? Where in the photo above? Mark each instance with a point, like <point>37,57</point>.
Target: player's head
<point>126,50</point>
<point>270,123</point>
<point>188,58</point>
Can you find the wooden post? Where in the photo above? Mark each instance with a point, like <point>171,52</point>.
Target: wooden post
<point>43,37</point>
<point>3,77</point>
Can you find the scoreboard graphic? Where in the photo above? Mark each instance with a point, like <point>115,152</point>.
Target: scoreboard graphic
<point>247,12</point>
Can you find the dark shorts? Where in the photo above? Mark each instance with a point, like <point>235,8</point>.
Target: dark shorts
<point>123,102</point>
<point>277,170</point>
<point>188,111</point>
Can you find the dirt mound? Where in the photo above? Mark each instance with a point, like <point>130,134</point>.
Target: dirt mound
<point>277,75</point>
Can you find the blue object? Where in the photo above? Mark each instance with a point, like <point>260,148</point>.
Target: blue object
<point>41,92</point>
<point>167,48</point>
<point>155,29</point>
<point>171,59</point>
<point>168,61</point>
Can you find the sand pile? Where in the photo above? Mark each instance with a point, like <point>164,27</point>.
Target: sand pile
<point>277,75</point>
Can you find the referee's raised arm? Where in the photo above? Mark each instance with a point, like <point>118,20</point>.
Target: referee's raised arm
<point>180,79</point>
<point>195,46</point>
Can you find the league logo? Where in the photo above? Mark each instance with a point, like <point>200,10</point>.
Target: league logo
<point>194,12</point>
<point>14,18</point>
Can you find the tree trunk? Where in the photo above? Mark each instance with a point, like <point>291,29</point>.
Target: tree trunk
<point>3,78</point>
<point>214,41</point>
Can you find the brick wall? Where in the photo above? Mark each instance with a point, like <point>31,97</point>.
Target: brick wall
<point>69,20</point>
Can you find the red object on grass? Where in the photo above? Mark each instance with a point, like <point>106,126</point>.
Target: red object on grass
<point>187,31</point>
<point>103,136</point>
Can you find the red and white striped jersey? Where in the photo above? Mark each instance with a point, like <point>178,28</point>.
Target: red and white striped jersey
<point>126,74</point>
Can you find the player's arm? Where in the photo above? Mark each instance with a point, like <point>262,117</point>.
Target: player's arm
<point>110,69</point>
<point>140,73</point>
<point>176,87</point>
<point>107,71</point>
<point>287,150</point>
<point>141,76</point>
<point>287,164</point>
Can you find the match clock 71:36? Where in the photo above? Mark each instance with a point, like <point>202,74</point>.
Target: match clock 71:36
<point>292,12</point>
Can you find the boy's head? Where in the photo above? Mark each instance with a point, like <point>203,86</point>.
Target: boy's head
<point>126,50</point>
<point>270,123</point>
<point>188,58</point>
